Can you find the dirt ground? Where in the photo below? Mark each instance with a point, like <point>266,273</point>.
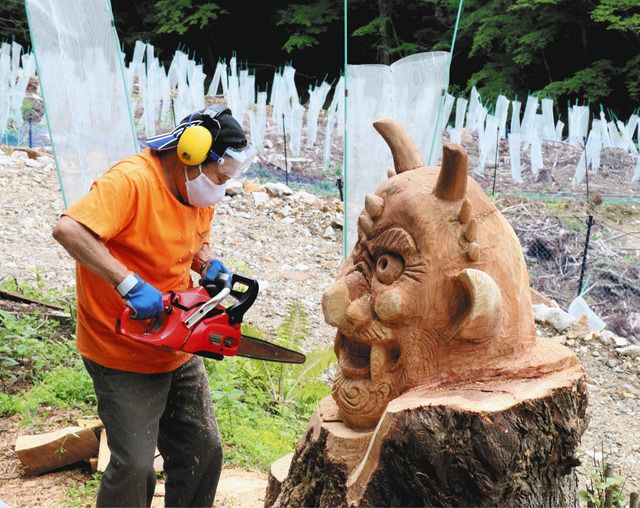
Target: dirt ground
<point>560,160</point>
<point>237,487</point>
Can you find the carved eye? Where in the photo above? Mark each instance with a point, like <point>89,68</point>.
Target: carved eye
<point>389,267</point>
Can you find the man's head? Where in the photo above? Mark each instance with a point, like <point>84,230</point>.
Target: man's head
<point>211,138</point>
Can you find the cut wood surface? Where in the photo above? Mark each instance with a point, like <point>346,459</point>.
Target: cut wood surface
<point>105,455</point>
<point>94,424</point>
<point>44,452</point>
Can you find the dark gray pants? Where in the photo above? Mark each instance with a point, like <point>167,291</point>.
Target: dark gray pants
<point>172,410</point>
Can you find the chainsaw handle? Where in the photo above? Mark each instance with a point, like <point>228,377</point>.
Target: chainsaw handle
<point>245,298</point>
<point>126,314</point>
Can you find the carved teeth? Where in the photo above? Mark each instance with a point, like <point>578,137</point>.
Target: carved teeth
<point>377,362</point>
<point>365,224</point>
<point>465,212</point>
<point>373,205</point>
<point>471,232</point>
<point>473,252</point>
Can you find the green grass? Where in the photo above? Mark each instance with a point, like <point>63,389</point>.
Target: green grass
<point>81,495</point>
<point>39,290</point>
<point>630,258</point>
<point>574,224</point>
<point>262,409</point>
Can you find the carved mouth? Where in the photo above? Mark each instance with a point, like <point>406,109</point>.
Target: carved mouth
<point>354,358</point>
<point>363,360</point>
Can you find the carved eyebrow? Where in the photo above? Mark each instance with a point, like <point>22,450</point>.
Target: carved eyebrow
<point>396,239</point>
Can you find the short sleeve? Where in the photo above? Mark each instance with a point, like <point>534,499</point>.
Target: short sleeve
<point>109,205</point>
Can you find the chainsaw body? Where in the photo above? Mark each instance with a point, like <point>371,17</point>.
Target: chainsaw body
<point>194,321</point>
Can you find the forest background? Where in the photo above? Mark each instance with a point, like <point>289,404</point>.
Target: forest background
<point>563,49</point>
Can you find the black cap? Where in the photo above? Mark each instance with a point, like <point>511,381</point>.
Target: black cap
<point>225,130</point>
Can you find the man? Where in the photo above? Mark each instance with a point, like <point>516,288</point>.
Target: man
<point>143,225</point>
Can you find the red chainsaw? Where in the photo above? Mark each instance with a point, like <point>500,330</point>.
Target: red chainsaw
<point>195,321</point>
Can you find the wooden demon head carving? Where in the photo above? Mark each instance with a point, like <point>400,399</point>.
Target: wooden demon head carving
<point>435,290</point>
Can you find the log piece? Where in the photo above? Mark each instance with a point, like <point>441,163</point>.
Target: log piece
<point>498,441</point>
<point>44,452</point>
<point>104,456</point>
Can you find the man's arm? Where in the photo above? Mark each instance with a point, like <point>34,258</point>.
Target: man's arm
<point>201,257</point>
<point>86,248</point>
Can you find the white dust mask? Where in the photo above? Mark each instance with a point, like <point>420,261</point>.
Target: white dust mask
<point>202,191</point>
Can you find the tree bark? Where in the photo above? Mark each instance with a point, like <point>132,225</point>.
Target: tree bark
<point>500,442</point>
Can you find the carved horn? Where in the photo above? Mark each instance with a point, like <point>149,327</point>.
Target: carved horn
<point>485,315</point>
<point>406,155</point>
<point>452,180</point>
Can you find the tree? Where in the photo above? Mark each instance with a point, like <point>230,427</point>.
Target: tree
<point>307,21</point>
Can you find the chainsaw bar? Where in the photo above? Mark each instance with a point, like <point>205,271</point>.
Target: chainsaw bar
<point>258,349</point>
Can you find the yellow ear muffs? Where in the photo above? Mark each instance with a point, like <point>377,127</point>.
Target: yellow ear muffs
<point>194,145</point>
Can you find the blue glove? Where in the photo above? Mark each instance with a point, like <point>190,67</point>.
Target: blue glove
<point>144,300</point>
<point>211,270</point>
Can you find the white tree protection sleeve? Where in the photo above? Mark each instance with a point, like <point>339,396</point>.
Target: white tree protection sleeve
<point>514,156</point>
<point>411,91</point>
<point>82,80</point>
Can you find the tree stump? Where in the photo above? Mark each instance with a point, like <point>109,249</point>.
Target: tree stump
<point>500,441</point>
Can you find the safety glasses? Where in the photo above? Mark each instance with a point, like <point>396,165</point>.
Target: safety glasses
<point>233,162</point>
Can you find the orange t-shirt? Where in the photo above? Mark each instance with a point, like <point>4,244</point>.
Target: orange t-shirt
<point>154,235</point>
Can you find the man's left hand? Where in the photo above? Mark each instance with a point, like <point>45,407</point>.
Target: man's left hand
<point>211,270</point>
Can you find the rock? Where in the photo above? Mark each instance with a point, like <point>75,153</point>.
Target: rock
<point>304,197</point>
<point>45,160</point>
<point>32,163</point>
<point>329,233</point>
<point>260,198</point>
<point>630,351</point>
<point>250,186</point>
<point>19,154</point>
<point>620,341</point>
<point>554,316</point>
<point>338,221</point>
<point>611,363</point>
<point>606,337</point>
<point>234,187</point>
<point>276,190</point>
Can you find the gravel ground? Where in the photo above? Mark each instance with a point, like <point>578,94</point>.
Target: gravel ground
<point>289,245</point>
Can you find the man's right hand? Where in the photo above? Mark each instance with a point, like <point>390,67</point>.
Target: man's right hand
<point>143,299</point>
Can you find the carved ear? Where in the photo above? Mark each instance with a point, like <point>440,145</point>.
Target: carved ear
<point>406,155</point>
<point>452,179</point>
<point>484,314</point>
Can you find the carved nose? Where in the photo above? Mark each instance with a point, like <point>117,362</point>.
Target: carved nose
<point>359,312</point>
<point>335,302</point>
